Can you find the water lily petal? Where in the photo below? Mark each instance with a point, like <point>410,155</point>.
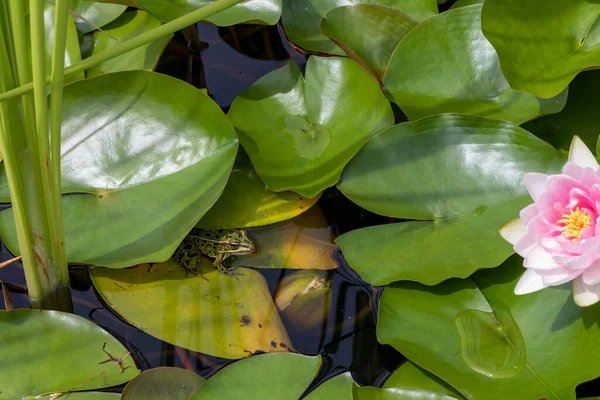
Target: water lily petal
<point>585,295</point>
<point>559,276</point>
<point>530,282</point>
<point>581,155</point>
<point>540,258</point>
<point>591,275</point>
<point>529,212</point>
<point>535,183</point>
<point>524,246</point>
<point>513,231</point>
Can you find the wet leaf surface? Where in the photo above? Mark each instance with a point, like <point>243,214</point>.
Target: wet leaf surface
<point>163,383</point>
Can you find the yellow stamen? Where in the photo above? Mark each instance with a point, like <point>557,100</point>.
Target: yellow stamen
<point>574,222</point>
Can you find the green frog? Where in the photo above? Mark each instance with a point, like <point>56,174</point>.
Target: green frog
<point>218,244</point>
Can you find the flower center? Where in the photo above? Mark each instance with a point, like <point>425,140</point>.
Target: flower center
<point>574,222</point>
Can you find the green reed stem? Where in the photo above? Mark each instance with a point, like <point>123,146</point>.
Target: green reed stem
<point>133,43</point>
<point>56,100</point>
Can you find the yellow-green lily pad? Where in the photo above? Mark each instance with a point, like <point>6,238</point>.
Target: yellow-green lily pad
<point>247,202</point>
<point>224,316</point>
<point>303,242</point>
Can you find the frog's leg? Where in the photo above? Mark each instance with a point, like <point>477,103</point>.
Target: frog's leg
<point>188,259</point>
<point>218,263</point>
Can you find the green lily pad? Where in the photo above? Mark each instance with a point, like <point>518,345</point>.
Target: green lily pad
<point>446,65</point>
<point>304,242</point>
<point>163,383</point>
<point>302,18</point>
<point>543,44</point>
<point>462,175</point>
<point>83,396</point>
<point>268,376</point>
<point>579,116</point>
<point>224,316</point>
<point>71,354</point>
<point>299,140</point>
<point>264,12</point>
<point>373,393</point>
<point>128,26</point>
<point>465,3</point>
<point>368,33</point>
<point>97,14</point>
<point>410,375</point>
<point>339,388</point>
<point>548,319</point>
<point>247,202</point>
<point>141,163</point>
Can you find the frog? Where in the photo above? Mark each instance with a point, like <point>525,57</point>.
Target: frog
<point>213,243</point>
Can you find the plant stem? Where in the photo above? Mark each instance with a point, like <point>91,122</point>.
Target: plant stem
<point>56,100</point>
<point>140,40</point>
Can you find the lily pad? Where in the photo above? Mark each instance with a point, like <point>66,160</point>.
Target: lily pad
<point>128,26</point>
<point>304,242</point>
<point>446,65</point>
<point>83,396</point>
<point>373,393</point>
<point>302,18</point>
<point>96,14</point>
<point>543,44</point>
<point>409,375</point>
<point>163,383</point>
<point>265,377</point>
<point>141,163</point>
<point>443,170</point>
<point>296,138</point>
<point>224,316</point>
<point>546,319</point>
<point>339,388</point>
<point>579,116</point>
<point>368,33</point>
<point>264,12</point>
<point>73,355</point>
<point>246,201</point>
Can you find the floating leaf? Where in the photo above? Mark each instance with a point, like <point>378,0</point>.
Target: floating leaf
<point>128,26</point>
<point>229,317</point>
<point>579,116</point>
<point>45,352</point>
<point>141,164</point>
<point>299,140</point>
<point>304,242</point>
<point>268,376</point>
<point>338,387</point>
<point>163,383</point>
<point>265,12</point>
<point>543,44</point>
<point>548,319</point>
<point>302,18</point>
<point>462,175</point>
<point>446,65</point>
<point>373,393</point>
<point>368,33</point>
<point>82,396</point>
<point>409,375</point>
<point>95,14</point>
<point>247,202</point>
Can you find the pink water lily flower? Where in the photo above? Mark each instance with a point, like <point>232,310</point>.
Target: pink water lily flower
<point>559,234</point>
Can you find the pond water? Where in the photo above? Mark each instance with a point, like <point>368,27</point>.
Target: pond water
<point>227,61</point>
